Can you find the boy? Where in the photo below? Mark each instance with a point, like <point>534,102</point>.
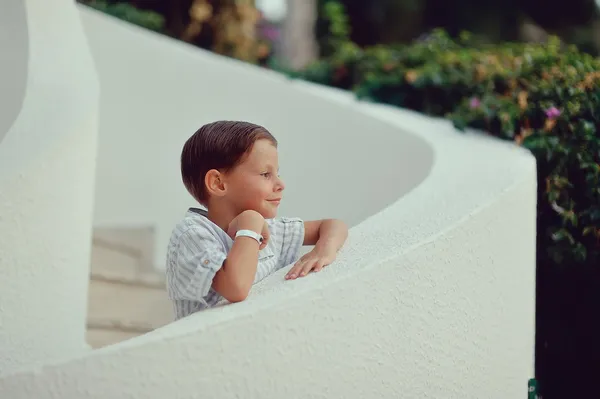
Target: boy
<point>231,168</point>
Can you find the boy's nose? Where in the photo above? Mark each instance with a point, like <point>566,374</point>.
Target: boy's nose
<point>280,184</point>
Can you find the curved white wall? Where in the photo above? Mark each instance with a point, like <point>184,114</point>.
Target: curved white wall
<point>155,97</point>
<point>47,160</point>
<point>432,297</point>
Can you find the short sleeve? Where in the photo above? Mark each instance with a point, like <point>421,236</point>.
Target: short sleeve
<point>200,255</point>
<point>287,235</point>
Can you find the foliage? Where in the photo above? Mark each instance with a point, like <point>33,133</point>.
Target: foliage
<point>226,27</point>
<point>337,26</point>
<point>544,97</point>
<point>127,12</point>
<point>548,100</point>
<point>231,28</point>
<point>401,21</point>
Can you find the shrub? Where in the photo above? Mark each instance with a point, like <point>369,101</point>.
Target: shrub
<point>127,12</point>
<point>544,97</point>
<point>549,102</point>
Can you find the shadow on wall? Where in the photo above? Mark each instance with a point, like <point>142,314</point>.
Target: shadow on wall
<point>14,46</point>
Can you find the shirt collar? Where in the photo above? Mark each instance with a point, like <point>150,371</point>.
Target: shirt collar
<point>201,212</point>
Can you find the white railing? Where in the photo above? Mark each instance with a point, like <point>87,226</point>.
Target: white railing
<point>433,295</point>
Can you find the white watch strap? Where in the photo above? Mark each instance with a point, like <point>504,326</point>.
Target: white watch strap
<point>251,234</point>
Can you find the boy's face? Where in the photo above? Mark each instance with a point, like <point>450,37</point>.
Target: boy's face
<point>255,184</point>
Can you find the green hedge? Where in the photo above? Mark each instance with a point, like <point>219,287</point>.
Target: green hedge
<point>128,12</point>
<point>544,97</point>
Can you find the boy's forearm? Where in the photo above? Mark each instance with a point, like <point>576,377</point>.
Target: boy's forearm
<point>332,235</point>
<point>244,261</point>
<point>239,270</point>
<point>236,277</point>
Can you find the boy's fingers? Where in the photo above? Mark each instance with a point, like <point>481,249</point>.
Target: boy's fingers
<point>265,232</point>
<point>293,272</point>
<point>266,236</point>
<point>300,263</point>
<point>319,266</point>
<point>296,270</point>
<point>303,266</point>
<point>307,267</point>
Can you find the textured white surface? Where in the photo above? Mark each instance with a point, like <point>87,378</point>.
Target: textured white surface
<point>432,297</point>
<point>47,161</point>
<point>449,318</point>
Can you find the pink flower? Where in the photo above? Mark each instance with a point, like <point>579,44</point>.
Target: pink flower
<point>475,103</point>
<point>270,33</point>
<point>553,112</point>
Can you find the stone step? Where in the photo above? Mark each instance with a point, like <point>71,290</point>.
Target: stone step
<point>97,337</point>
<point>125,306</point>
<point>126,298</point>
<point>111,263</point>
<point>136,243</point>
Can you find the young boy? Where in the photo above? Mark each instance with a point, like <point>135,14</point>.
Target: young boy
<point>232,168</point>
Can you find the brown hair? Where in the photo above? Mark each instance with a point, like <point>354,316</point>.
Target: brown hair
<point>218,145</point>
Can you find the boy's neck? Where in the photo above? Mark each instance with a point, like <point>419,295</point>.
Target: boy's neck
<point>220,217</point>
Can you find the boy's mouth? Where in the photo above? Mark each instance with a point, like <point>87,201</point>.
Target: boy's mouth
<point>275,201</point>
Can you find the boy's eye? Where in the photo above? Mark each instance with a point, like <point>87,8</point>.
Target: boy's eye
<point>266,174</point>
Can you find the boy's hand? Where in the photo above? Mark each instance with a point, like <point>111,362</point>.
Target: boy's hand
<point>250,220</point>
<point>314,261</point>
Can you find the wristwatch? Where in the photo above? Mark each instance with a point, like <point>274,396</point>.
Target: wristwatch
<point>251,234</point>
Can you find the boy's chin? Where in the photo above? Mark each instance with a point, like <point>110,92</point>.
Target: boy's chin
<point>266,212</point>
<point>269,214</point>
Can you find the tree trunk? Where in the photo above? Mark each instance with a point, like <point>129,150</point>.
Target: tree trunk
<point>299,46</point>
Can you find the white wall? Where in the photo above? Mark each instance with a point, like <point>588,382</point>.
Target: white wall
<point>450,318</point>
<point>432,297</point>
<point>152,103</point>
<point>48,100</point>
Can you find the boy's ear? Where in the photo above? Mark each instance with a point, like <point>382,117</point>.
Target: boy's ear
<point>215,183</point>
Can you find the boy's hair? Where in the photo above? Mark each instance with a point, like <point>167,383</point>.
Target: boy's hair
<point>218,145</point>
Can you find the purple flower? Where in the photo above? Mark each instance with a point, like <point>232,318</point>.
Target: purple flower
<point>475,103</point>
<point>553,112</point>
<point>270,33</point>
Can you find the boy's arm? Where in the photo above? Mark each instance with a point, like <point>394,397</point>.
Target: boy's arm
<point>327,236</point>
<point>234,280</point>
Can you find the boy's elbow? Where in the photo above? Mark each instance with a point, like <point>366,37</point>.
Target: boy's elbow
<point>238,295</point>
<point>229,286</point>
<point>237,292</point>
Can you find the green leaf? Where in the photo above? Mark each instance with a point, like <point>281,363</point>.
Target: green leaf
<point>562,235</point>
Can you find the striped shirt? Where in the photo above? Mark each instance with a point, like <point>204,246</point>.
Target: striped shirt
<point>198,248</point>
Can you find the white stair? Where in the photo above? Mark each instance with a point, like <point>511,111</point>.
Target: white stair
<point>126,297</point>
